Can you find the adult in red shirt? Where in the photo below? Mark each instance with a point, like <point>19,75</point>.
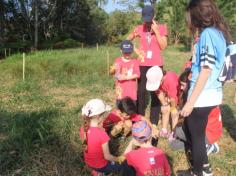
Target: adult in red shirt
<point>166,85</point>
<point>147,159</point>
<point>152,40</point>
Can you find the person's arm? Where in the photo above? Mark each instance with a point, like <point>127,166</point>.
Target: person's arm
<point>162,40</point>
<point>173,103</point>
<point>165,107</point>
<point>134,76</point>
<point>107,155</point>
<point>162,98</point>
<point>112,69</point>
<point>155,132</point>
<point>131,146</point>
<point>173,106</point>
<point>131,36</point>
<point>201,82</point>
<point>140,53</point>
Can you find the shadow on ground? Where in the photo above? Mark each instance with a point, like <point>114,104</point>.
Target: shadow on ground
<point>229,121</point>
<point>31,145</point>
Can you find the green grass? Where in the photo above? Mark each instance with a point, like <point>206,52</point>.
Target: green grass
<point>39,118</point>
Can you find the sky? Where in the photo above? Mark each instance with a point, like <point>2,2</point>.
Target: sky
<point>111,6</point>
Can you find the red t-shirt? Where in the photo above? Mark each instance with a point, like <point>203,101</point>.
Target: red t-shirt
<point>148,161</point>
<point>136,117</point>
<point>126,88</point>
<point>170,85</point>
<point>150,45</point>
<point>214,125</point>
<point>114,117</point>
<point>94,154</point>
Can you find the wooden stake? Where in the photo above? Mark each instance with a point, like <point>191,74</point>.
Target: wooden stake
<point>5,53</point>
<point>108,58</point>
<point>97,46</point>
<point>82,45</point>
<point>23,67</point>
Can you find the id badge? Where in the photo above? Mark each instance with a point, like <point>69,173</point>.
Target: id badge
<point>149,54</point>
<point>130,72</point>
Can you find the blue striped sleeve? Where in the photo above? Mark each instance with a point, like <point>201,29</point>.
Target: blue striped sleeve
<point>208,53</point>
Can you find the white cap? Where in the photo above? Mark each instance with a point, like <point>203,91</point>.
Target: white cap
<point>95,107</point>
<point>154,76</point>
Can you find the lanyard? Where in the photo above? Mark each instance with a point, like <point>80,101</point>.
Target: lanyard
<point>149,38</point>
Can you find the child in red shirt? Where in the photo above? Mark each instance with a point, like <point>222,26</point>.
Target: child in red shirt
<point>166,87</point>
<point>122,119</point>
<point>126,71</point>
<point>95,140</point>
<point>146,160</point>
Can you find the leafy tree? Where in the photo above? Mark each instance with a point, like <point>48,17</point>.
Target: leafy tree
<point>228,10</point>
<point>119,24</point>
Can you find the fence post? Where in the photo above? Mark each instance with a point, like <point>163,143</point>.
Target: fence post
<point>108,58</point>
<point>97,46</point>
<point>23,74</point>
<point>5,53</point>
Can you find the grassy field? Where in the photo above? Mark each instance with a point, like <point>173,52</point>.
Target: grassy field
<point>39,118</point>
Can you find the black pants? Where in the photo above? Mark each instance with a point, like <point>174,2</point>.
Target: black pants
<point>195,129</point>
<point>143,99</point>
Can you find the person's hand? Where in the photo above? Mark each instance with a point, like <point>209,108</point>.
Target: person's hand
<point>187,110</point>
<point>122,77</point>
<point>141,55</point>
<point>112,70</point>
<point>154,26</point>
<point>155,132</point>
<point>120,159</point>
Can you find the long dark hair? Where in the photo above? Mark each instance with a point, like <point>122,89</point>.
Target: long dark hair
<point>128,106</point>
<point>204,13</point>
<point>182,94</point>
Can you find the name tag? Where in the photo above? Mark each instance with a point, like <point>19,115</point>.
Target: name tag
<point>152,161</point>
<point>149,54</point>
<point>130,72</point>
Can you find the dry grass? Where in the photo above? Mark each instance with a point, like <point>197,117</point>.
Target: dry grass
<point>45,140</point>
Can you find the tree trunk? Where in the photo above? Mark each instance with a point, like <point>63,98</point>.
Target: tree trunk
<point>176,39</point>
<point>61,25</point>
<point>36,25</point>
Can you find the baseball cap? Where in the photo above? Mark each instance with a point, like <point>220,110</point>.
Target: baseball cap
<point>147,13</point>
<point>95,107</point>
<point>141,131</point>
<point>127,46</point>
<point>154,76</point>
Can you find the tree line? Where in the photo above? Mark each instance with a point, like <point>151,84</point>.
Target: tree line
<point>66,23</point>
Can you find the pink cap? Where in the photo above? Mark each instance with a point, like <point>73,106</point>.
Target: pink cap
<point>141,131</point>
<point>154,76</point>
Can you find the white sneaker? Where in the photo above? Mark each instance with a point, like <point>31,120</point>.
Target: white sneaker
<point>212,148</point>
<point>207,171</point>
